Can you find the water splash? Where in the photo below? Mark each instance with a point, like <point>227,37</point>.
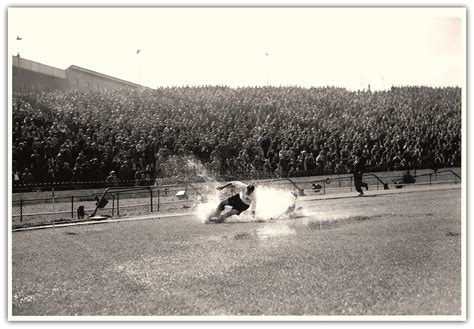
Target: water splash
<point>196,168</point>
<point>205,209</point>
<point>272,204</point>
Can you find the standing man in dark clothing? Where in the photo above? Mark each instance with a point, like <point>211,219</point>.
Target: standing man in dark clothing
<point>358,169</point>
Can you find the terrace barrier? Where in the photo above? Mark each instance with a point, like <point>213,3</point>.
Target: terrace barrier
<point>50,207</point>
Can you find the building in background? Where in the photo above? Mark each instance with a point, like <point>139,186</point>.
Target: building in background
<point>81,78</point>
<point>32,76</point>
<point>29,76</point>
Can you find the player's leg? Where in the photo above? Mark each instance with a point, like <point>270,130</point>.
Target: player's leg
<point>357,184</point>
<point>237,208</point>
<point>219,209</point>
<point>228,214</point>
<point>365,185</point>
<point>290,209</point>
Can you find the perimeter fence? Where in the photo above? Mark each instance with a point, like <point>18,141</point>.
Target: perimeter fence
<point>69,206</point>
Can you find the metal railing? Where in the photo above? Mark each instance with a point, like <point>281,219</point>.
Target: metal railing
<point>433,177</point>
<point>31,209</point>
<point>75,185</point>
<point>430,178</point>
<point>279,180</point>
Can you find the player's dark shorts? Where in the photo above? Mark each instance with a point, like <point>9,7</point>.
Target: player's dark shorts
<point>236,203</point>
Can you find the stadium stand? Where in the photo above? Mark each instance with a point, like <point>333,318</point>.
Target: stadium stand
<point>83,135</point>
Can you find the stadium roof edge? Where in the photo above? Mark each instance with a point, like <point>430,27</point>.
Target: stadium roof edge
<point>28,64</point>
<point>31,65</point>
<point>75,67</point>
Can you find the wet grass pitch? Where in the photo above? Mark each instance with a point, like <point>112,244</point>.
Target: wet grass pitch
<point>397,254</point>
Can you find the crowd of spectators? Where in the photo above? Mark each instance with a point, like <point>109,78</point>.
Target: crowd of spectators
<point>128,135</point>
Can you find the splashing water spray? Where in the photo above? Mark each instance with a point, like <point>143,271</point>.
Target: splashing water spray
<point>272,203</point>
<point>199,170</point>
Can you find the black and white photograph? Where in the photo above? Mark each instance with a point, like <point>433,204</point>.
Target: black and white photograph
<point>253,163</point>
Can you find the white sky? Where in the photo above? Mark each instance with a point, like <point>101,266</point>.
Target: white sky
<point>347,47</point>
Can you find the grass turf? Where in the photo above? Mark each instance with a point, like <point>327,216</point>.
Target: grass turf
<point>396,254</point>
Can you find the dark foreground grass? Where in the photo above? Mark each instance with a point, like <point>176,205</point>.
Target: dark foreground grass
<point>395,254</point>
